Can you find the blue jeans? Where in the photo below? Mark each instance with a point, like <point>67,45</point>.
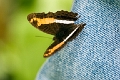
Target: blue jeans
<point>95,53</point>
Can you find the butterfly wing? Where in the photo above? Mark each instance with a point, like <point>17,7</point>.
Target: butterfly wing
<point>59,24</point>
<point>59,40</point>
<point>47,22</point>
<point>55,46</point>
<point>81,26</point>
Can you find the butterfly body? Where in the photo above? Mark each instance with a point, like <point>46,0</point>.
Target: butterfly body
<point>60,24</point>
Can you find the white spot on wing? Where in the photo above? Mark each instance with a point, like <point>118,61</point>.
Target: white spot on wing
<point>63,21</point>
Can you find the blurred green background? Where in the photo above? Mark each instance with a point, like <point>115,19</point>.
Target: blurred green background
<point>21,52</point>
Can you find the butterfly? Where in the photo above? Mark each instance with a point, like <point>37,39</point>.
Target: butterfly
<point>60,24</point>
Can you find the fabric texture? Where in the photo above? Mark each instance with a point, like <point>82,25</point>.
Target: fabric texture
<point>95,53</point>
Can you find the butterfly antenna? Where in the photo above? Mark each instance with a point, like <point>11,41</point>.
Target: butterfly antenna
<point>44,37</point>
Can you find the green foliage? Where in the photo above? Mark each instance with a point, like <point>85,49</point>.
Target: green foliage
<point>21,52</point>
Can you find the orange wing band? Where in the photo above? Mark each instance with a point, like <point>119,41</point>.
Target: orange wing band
<point>43,21</point>
<point>51,51</point>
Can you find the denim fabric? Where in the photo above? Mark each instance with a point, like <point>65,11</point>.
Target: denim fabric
<point>95,53</point>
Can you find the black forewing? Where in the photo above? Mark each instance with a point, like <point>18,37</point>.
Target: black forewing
<point>52,28</point>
